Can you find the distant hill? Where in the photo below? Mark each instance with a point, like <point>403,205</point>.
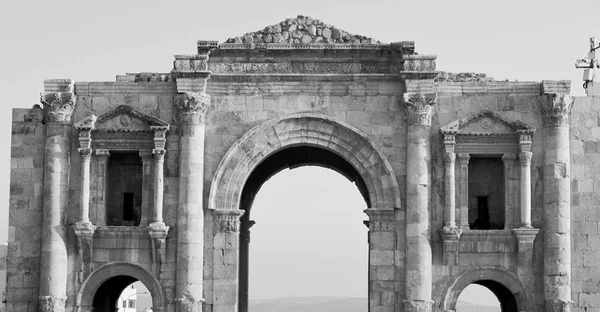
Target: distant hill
<point>336,304</point>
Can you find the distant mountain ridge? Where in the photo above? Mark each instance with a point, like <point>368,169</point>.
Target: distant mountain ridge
<point>336,304</point>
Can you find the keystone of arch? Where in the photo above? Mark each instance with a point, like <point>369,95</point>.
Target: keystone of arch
<point>85,296</point>
<point>306,129</point>
<point>502,276</point>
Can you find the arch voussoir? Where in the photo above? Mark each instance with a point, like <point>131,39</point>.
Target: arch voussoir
<point>310,130</point>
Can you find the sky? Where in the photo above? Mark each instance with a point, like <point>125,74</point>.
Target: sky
<point>96,40</point>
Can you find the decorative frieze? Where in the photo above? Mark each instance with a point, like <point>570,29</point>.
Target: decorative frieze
<point>555,109</point>
<point>58,107</point>
<point>52,304</point>
<point>192,107</point>
<point>420,108</point>
<point>381,220</point>
<point>307,67</point>
<point>227,220</point>
<point>419,62</point>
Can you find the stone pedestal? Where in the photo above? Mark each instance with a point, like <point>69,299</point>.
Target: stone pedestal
<point>84,231</point>
<point>58,108</point>
<point>418,163</point>
<point>557,202</point>
<point>158,232</point>
<point>192,109</point>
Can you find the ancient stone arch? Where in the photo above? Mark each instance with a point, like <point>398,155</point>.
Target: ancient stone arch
<point>495,279</point>
<point>311,130</point>
<point>90,286</point>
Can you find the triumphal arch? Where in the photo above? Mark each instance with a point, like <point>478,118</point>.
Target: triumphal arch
<point>151,177</point>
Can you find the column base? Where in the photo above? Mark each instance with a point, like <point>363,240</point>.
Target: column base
<point>418,305</point>
<point>189,304</point>
<point>558,306</point>
<point>52,304</point>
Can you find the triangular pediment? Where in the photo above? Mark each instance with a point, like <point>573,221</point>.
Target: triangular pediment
<point>487,122</point>
<point>302,29</point>
<point>123,118</point>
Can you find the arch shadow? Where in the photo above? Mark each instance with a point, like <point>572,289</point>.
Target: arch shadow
<point>128,271</point>
<point>507,287</point>
<point>305,129</point>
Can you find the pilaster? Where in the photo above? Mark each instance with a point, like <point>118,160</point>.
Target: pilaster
<point>464,158</point>
<point>382,268</point>
<point>101,159</point>
<point>226,259</point>
<point>508,161</point>
<point>418,249</point>
<point>557,202</point>
<point>58,102</point>
<point>157,211</point>
<point>147,183</point>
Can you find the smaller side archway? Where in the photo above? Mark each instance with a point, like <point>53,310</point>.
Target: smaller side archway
<point>120,273</point>
<point>507,287</point>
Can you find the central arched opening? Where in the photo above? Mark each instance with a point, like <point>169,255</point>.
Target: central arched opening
<point>486,295</point>
<point>309,231</point>
<point>122,294</point>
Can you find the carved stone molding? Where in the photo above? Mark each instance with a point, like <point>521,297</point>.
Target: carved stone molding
<point>420,108</point>
<point>381,220</point>
<point>525,238</point>
<point>52,304</point>
<point>525,158</point>
<point>556,108</point>
<point>158,232</point>
<point>193,107</point>
<point>227,220</point>
<point>58,107</point>
<point>102,152</point>
<point>85,128</point>
<point>418,305</point>
<point>558,306</point>
<point>160,136</point>
<point>419,62</point>
<point>84,231</point>
<point>189,304</point>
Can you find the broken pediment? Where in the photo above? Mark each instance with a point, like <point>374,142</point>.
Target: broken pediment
<point>124,118</point>
<point>302,29</point>
<point>487,122</point>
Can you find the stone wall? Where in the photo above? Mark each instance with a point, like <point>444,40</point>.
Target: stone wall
<point>25,215</point>
<point>3,253</point>
<point>585,200</point>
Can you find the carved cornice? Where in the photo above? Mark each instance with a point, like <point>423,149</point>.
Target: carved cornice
<point>419,63</point>
<point>52,304</point>
<point>58,107</point>
<point>192,107</point>
<point>556,108</point>
<point>420,108</point>
<point>227,220</point>
<point>189,304</point>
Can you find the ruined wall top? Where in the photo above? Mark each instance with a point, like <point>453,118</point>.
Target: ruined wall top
<point>302,29</point>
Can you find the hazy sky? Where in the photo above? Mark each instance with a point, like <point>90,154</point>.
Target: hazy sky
<point>96,40</point>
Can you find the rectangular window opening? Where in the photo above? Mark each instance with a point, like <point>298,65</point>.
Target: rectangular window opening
<point>486,193</point>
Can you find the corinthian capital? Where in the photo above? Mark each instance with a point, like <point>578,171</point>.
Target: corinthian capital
<point>556,108</point>
<point>420,108</point>
<point>227,220</point>
<point>193,107</point>
<point>58,107</point>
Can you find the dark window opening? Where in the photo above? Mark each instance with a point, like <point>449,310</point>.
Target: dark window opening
<point>486,193</point>
<point>124,189</point>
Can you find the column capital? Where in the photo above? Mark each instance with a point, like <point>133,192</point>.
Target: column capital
<point>52,303</point>
<point>509,157</point>
<point>381,219</point>
<point>420,107</point>
<point>159,154</point>
<point>193,107</point>
<point>58,107</point>
<point>227,220</point>
<point>145,154</point>
<point>102,152</point>
<point>85,153</point>
<point>555,109</point>
<point>463,158</point>
<point>525,158</point>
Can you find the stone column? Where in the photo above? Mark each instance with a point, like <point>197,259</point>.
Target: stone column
<point>226,259</point>
<point>84,229</point>
<point>58,108</point>
<point>147,162</point>
<point>525,160</point>
<point>102,181</point>
<point>450,232</point>
<point>418,163</point>
<point>509,192</point>
<point>464,190</point>
<point>557,202</point>
<point>157,209</point>
<point>192,109</point>
<point>450,195</point>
